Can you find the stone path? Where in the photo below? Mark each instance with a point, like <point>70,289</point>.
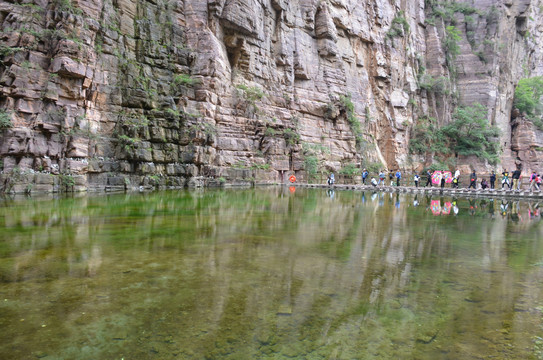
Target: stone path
<point>433,190</point>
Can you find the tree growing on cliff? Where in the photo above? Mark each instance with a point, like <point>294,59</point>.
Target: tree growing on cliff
<point>470,134</point>
<point>528,95</point>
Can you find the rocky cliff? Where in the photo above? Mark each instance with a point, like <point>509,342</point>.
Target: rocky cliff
<point>113,94</point>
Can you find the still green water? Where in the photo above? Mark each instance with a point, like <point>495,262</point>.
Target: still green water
<point>270,274</point>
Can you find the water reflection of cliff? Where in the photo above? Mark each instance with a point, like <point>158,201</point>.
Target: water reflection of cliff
<point>269,272</point>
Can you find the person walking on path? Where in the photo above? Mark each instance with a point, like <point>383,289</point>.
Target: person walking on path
<point>438,176</point>
<point>533,181</point>
<point>473,180</point>
<point>381,178</point>
<point>492,179</point>
<point>331,179</point>
<point>505,179</point>
<point>516,179</point>
<point>429,179</point>
<point>391,177</point>
<point>416,179</point>
<point>364,176</point>
<point>442,179</point>
<point>457,174</point>
<point>398,177</point>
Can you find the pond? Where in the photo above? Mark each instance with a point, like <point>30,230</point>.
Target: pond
<point>270,273</point>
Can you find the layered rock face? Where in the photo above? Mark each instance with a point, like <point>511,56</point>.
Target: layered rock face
<point>115,94</point>
<point>499,47</point>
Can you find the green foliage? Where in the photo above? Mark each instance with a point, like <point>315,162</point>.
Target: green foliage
<point>372,167</point>
<point>133,121</point>
<point>66,5</point>
<point>493,15</point>
<point>399,26</point>
<point>252,94</point>
<point>260,166</point>
<point>205,127</point>
<point>127,142</point>
<point>439,85</point>
<point>314,149</point>
<point>447,9</point>
<point>8,50</point>
<point>239,165</point>
<point>67,181</point>
<point>426,137</point>
<point>5,120</point>
<point>331,109</point>
<point>311,164</point>
<point>270,132</point>
<point>470,133</point>
<point>481,55</point>
<point>291,137</point>
<point>350,170</point>
<point>311,154</point>
<point>173,112</point>
<point>528,95</point>
<point>184,80</point>
<point>440,165</point>
<point>452,49</point>
<point>354,123</point>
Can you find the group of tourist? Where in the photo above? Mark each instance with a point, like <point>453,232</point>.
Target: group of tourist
<point>393,176</point>
<point>510,180</point>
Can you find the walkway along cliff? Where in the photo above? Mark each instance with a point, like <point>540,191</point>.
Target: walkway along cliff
<point>117,94</point>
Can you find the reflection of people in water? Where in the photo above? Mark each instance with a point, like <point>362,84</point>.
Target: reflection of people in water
<point>504,206</point>
<point>416,201</point>
<point>428,202</point>
<point>536,212</point>
<point>472,206</point>
<point>397,204</point>
<point>330,193</point>
<point>455,207</point>
<point>515,216</point>
<point>374,196</point>
<point>491,208</point>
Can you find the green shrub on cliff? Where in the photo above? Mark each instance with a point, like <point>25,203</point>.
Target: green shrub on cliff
<point>184,80</point>
<point>5,120</point>
<point>399,26</point>
<point>426,136</point>
<point>350,170</point>
<point>528,95</point>
<point>468,134</point>
<point>354,123</point>
<point>67,6</point>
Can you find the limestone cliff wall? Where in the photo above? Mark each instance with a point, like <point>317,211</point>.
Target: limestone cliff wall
<point>110,94</point>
